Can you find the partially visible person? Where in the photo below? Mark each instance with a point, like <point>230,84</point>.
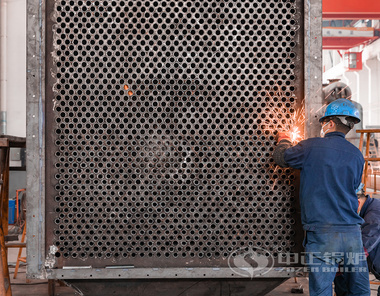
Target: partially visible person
<point>369,210</point>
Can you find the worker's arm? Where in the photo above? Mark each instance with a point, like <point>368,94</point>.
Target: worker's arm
<point>283,140</point>
<point>287,155</point>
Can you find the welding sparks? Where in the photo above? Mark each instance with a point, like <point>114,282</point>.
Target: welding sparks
<point>295,134</point>
<point>293,128</point>
<point>276,121</point>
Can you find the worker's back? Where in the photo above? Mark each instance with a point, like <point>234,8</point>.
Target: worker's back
<point>331,170</point>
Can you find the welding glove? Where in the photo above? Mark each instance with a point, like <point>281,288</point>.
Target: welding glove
<point>284,142</point>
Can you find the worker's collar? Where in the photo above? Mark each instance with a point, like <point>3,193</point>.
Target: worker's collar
<point>335,134</point>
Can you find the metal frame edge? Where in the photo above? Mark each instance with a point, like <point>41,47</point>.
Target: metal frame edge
<point>172,273</point>
<point>313,65</point>
<point>35,138</point>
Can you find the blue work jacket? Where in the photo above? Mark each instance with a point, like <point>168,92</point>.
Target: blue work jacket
<point>331,170</point>
<point>370,212</point>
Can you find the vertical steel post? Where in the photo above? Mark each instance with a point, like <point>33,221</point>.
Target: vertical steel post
<point>35,137</point>
<point>313,66</point>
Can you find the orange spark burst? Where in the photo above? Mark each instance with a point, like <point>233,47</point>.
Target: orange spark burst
<point>280,120</point>
<point>295,134</point>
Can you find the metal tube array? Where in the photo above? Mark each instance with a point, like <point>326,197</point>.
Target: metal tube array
<point>163,117</point>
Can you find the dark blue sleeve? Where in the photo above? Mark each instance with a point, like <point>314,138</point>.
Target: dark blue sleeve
<point>371,229</point>
<point>296,155</point>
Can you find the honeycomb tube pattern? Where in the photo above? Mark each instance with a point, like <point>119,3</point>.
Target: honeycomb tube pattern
<point>163,119</point>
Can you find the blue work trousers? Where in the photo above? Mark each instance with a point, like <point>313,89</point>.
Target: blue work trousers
<point>326,249</point>
<point>340,282</point>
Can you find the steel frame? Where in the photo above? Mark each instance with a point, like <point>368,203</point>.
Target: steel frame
<point>38,265</point>
<point>166,273</point>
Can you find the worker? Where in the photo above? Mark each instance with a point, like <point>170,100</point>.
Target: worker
<point>331,169</point>
<point>369,210</point>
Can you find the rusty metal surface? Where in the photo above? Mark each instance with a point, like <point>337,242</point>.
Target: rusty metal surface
<point>14,142</point>
<point>160,119</point>
<point>256,287</point>
<point>157,273</point>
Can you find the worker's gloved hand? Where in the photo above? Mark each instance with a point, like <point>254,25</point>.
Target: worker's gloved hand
<point>284,142</point>
<point>283,136</point>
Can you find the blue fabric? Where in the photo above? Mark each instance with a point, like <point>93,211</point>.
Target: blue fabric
<point>331,170</point>
<point>326,251</point>
<point>370,212</point>
<point>340,283</point>
<point>340,286</point>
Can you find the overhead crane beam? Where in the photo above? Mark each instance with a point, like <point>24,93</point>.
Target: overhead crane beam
<point>350,9</point>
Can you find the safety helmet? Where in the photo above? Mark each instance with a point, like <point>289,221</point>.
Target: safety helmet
<point>342,108</point>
